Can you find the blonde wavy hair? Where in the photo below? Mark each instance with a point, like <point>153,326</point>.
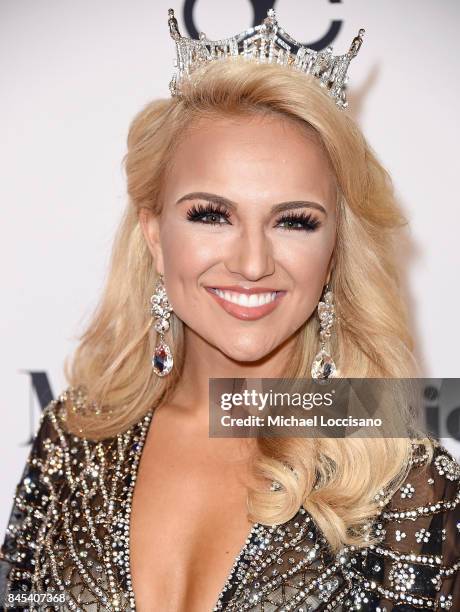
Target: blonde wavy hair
<point>113,358</point>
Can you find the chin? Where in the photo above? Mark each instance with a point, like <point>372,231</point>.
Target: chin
<point>244,353</point>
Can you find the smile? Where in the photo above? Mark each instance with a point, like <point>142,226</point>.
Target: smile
<point>246,305</point>
<point>251,301</point>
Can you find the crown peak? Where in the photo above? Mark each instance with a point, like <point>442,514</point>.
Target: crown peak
<point>264,43</point>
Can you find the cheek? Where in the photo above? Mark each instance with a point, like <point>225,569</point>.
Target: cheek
<point>187,251</point>
<point>307,257</point>
<point>306,263</point>
<point>187,255</point>
<point>310,267</point>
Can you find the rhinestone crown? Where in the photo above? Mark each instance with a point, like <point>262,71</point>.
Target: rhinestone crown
<point>264,43</point>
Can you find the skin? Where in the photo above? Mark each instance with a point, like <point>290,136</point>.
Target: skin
<point>255,162</point>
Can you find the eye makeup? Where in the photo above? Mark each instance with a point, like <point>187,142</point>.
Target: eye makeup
<point>212,214</point>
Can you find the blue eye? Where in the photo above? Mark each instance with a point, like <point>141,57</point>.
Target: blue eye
<point>212,214</point>
<point>208,214</point>
<point>303,221</point>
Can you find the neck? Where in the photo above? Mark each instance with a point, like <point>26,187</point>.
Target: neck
<point>203,361</point>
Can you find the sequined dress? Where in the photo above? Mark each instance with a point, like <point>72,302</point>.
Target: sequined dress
<point>69,534</point>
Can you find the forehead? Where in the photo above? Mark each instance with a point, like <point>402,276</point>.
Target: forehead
<point>253,155</point>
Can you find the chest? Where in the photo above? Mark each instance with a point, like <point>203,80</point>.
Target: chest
<point>188,522</point>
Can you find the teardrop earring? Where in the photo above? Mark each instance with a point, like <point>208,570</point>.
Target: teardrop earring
<point>162,359</point>
<point>323,366</point>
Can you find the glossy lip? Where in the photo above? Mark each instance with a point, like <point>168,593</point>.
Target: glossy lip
<point>244,312</point>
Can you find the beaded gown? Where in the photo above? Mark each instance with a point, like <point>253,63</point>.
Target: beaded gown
<point>69,535</point>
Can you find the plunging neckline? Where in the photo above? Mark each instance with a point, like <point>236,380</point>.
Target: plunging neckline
<point>146,423</point>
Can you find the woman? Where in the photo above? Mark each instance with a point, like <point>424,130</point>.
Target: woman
<point>249,180</point>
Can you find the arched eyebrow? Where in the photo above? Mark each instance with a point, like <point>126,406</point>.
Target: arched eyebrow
<point>220,200</point>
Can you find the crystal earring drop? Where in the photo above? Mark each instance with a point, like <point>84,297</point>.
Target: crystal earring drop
<point>162,360</point>
<point>323,366</point>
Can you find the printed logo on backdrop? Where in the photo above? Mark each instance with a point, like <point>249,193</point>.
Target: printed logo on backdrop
<point>440,404</point>
<point>260,8</point>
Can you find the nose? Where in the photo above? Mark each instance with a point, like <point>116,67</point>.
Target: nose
<point>251,255</point>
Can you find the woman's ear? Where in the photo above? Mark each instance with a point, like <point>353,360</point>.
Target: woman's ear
<point>150,224</point>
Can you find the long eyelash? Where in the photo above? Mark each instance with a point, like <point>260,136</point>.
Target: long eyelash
<point>198,211</point>
<point>308,222</point>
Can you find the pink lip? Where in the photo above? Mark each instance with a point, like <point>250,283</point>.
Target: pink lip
<point>244,312</point>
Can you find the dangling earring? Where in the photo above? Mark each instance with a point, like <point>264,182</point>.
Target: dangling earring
<point>162,360</point>
<point>323,365</point>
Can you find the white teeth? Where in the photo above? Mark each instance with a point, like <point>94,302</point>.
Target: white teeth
<point>250,301</point>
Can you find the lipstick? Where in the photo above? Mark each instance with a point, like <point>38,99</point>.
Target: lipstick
<point>244,303</point>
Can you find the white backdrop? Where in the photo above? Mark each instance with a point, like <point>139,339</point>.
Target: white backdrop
<point>72,75</point>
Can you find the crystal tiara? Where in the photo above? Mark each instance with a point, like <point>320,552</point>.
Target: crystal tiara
<point>264,43</point>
